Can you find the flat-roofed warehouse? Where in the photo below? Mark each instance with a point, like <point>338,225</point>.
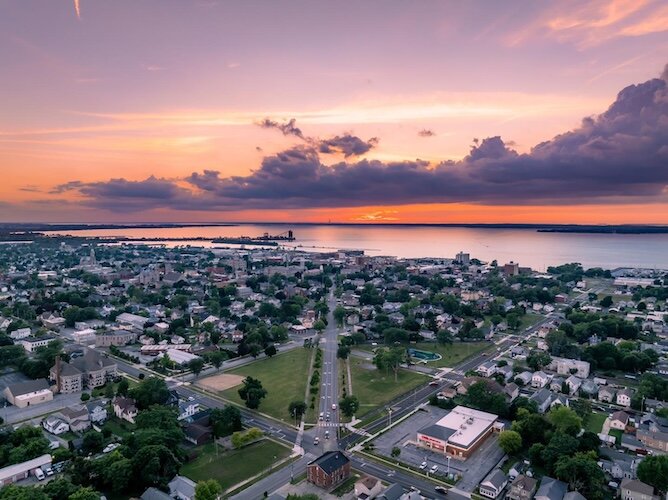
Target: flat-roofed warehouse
<point>460,432</point>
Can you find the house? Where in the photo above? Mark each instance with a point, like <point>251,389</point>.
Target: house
<point>125,408</point>
<point>18,472</point>
<point>487,369</point>
<point>574,495</point>
<point>633,489</point>
<point>522,488</point>
<point>97,413</point>
<point>539,379</point>
<point>543,398</point>
<point>30,344</point>
<point>182,488</point>
<point>619,420</point>
<point>506,371</point>
<point>187,409</point>
<point>76,417</point>
<point>55,425</point>
<point>28,393</point>
<point>589,388</point>
<point>493,484</point>
<point>551,489</point>
<point>606,394</point>
<point>512,390</point>
<point>624,398</point>
<point>523,378</point>
<point>392,492</point>
<point>556,384</point>
<point>21,333</point>
<point>328,470</point>
<point>199,431</point>
<point>368,487</point>
<point>154,494</point>
<point>574,384</point>
<point>51,320</point>
<point>653,438</point>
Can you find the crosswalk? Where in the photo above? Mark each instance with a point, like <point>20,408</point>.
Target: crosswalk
<point>330,424</point>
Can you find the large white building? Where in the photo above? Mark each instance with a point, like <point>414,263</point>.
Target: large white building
<point>460,432</point>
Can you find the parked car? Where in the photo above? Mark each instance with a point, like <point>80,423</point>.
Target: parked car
<point>39,474</point>
<point>434,469</point>
<point>49,471</point>
<point>423,465</point>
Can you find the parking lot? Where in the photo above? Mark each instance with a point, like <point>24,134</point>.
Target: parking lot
<point>470,471</point>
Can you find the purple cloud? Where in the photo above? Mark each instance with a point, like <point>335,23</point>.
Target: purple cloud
<point>619,155</point>
<point>348,145</point>
<point>425,132</point>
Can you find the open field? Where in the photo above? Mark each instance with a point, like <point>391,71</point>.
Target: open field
<point>595,423</point>
<point>375,387</point>
<point>451,354</point>
<point>220,382</point>
<point>232,467</point>
<point>284,378</point>
<point>529,319</point>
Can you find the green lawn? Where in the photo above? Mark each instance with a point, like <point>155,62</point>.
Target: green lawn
<point>451,354</point>
<point>618,435</point>
<point>529,319</point>
<point>595,423</point>
<point>119,427</point>
<point>375,387</point>
<point>284,378</point>
<point>232,467</point>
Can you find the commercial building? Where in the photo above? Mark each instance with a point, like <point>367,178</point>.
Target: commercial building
<point>566,366</point>
<point>89,371</point>
<point>460,432</point>
<point>28,393</point>
<point>17,472</point>
<point>30,344</point>
<point>115,337</point>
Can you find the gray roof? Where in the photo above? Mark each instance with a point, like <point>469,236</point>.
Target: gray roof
<point>437,432</point>
<point>155,494</point>
<point>330,461</point>
<point>29,386</point>
<point>638,486</point>
<point>541,396</point>
<point>552,488</point>
<point>393,492</point>
<point>496,478</point>
<point>574,495</point>
<point>183,485</point>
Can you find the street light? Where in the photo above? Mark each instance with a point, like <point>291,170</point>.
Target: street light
<point>390,417</point>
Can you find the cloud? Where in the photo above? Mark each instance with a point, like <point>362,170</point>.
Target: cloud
<point>289,128</point>
<point>619,156</point>
<point>425,132</point>
<point>348,145</point>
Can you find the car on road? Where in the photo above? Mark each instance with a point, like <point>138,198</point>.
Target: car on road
<point>434,469</point>
<point>333,406</point>
<point>322,415</point>
<point>441,490</point>
<point>326,434</point>
<point>423,465</point>
<point>433,383</point>
<point>316,441</point>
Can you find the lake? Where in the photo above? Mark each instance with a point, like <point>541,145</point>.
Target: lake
<point>526,246</point>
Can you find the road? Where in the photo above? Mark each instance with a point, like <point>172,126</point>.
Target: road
<point>329,388</point>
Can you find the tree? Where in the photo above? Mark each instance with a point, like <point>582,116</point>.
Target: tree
<point>150,391</point>
<point>653,470</point>
<point>123,387</point>
<point>537,360</point>
<point>87,493</point>
<point>343,351</point>
<point>297,409</point>
<point>444,337</point>
<point>270,351</point>
<point>216,358</point>
<point>196,366</point>
<point>481,397</point>
<point>396,451</point>
<point>349,405</point>
<point>319,326</point>
<point>13,492</point>
<point>93,442</point>
<point>208,490</point>
<point>582,407</point>
<point>254,350</point>
<point>606,301</point>
<point>565,420</point>
<point>582,474</point>
<point>510,442</point>
<point>154,465</point>
<point>252,392</point>
<point>389,359</point>
<point>339,315</point>
<point>225,421</point>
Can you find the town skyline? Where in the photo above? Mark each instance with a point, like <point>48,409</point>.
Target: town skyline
<point>444,114</point>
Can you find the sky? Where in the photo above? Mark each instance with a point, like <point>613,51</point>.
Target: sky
<point>305,111</point>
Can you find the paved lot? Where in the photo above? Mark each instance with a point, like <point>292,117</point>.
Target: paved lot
<point>403,436</point>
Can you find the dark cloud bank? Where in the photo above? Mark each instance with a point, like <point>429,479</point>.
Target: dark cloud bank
<point>621,155</point>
